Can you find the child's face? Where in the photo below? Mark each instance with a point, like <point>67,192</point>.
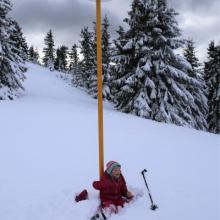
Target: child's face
<point>116,172</point>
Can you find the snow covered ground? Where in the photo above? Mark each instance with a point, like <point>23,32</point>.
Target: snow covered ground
<point>49,152</point>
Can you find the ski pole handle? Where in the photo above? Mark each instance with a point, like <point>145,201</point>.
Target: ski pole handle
<point>143,171</point>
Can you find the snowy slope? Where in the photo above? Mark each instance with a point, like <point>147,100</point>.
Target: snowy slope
<point>49,152</point>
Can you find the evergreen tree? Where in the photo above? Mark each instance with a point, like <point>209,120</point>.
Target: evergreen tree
<point>212,77</point>
<point>190,55</point>
<point>93,84</point>
<point>49,51</point>
<point>33,55</point>
<point>106,57</point>
<point>106,50</point>
<point>150,80</point>
<point>61,59</point>
<point>57,63</point>
<point>199,93</point>
<point>11,63</point>
<point>19,40</point>
<point>74,67</point>
<point>74,58</point>
<point>87,64</point>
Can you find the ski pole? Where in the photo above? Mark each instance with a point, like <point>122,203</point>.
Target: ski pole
<point>153,206</point>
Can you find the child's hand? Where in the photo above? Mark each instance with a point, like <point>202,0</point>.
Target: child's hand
<point>129,195</point>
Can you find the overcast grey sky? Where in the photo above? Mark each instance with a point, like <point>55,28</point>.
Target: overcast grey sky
<point>198,19</point>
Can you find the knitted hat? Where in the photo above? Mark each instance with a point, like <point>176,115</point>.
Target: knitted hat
<point>111,165</point>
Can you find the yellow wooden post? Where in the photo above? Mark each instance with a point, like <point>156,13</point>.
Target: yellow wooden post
<point>99,81</point>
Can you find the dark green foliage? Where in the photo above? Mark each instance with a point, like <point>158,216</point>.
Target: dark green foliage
<point>106,58</point>
<point>48,50</point>
<point>20,41</point>
<point>88,63</point>
<point>199,93</point>
<point>61,59</point>
<point>212,78</point>
<point>33,55</point>
<point>74,67</point>
<point>74,58</point>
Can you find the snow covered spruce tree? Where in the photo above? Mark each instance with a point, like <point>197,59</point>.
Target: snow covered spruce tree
<point>74,67</point>
<point>87,64</point>
<point>49,58</point>
<point>190,55</point>
<point>92,80</point>
<point>150,80</point>
<point>20,41</point>
<point>199,93</point>
<point>106,58</point>
<point>11,63</point>
<point>106,55</point>
<point>33,55</point>
<point>61,59</point>
<point>212,77</point>
<point>74,58</point>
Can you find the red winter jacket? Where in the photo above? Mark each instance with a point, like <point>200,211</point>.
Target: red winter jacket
<point>110,188</point>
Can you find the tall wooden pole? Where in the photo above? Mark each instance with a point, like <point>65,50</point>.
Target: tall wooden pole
<point>99,81</point>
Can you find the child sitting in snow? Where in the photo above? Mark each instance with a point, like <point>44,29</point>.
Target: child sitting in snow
<point>113,189</point>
